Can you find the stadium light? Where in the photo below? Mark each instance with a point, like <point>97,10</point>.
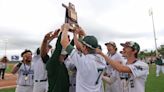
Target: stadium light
<point>155,39</point>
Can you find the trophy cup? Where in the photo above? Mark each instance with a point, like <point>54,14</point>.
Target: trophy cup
<point>71,16</point>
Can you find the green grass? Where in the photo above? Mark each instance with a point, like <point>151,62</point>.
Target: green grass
<point>8,90</point>
<point>9,67</point>
<point>153,83</point>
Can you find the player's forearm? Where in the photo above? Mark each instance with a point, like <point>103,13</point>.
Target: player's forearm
<point>64,39</point>
<point>116,65</point>
<point>43,47</point>
<point>16,68</point>
<point>77,43</point>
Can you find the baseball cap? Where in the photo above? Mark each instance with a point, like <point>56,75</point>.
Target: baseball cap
<point>90,41</point>
<point>111,43</point>
<point>131,44</point>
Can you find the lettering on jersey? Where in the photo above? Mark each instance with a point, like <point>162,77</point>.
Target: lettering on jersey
<point>24,72</point>
<point>131,83</point>
<point>139,68</point>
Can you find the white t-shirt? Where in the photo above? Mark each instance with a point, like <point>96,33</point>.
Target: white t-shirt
<point>89,71</point>
<point>40,72</point>
<point>136,82</point>
<point>3,65</point>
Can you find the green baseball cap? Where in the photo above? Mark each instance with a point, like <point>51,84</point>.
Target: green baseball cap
<point>131,44</point>
<point>90,41</point>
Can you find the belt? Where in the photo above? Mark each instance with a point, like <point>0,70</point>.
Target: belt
<point>123,78</point>
<point>41,80</point>
<point>25,85</point>
<point>72,84</point>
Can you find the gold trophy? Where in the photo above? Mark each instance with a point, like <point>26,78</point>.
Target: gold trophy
<point>71,16</point>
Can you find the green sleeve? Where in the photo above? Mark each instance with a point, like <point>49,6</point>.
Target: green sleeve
<point>58,49</point>
<point>53,62</point>
<point>72,42</point>
<point>69,49</point>
<point>158,61</point>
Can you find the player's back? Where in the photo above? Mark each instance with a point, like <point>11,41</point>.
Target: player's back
<point>89,77</point>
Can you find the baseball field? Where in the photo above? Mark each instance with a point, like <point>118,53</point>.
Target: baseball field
<point>153,83</point>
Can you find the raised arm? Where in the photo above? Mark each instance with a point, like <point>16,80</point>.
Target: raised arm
<point>64,40</point>
<point>78,36</point>
<point>16,68</point>
<point>47,39</point>
<point>58,48</point>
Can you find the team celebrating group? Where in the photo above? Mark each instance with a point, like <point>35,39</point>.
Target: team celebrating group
<point>79,65</point>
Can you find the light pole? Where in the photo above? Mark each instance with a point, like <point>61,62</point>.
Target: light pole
<point>155,39</point>
<point>5,42</point>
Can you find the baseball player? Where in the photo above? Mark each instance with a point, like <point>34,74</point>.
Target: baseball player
<point>136,69</point>
<point>112,76</point>
<point>70,66</point>
<point>72,74</point>
<point>25,73</point>
<point>159,64</point>
<point>90,65</point>
<point>39,61</point>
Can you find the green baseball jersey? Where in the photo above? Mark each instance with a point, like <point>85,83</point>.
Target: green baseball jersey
<point>158,61</point>
<point>58,78</point>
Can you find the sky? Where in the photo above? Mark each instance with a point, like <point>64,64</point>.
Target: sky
<point>23,23</point>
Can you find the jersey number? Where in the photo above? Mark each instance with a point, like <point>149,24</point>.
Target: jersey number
<point>100,71</point>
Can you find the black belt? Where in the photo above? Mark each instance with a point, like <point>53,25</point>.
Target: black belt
<point>72,84</point>
<point>41,80</point>
<point>25,85</point>
<point>123,78</point>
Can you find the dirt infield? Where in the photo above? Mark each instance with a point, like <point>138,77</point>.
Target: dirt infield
<point>9,81</point>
